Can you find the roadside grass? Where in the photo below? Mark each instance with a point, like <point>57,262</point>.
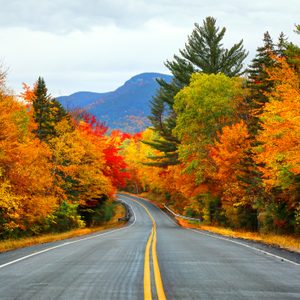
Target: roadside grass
<point>52,237</point>
<point>283,241</point>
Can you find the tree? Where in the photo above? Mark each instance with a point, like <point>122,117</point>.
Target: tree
<point>203,108</point>
<point>292,53</point>
<point>135,153</point>
<point>280,132</point>
<point>47,111</point>
<point>27,190</point>
<point>229,152</point>
<point>258,82</point>
<point>277,154</point>
<point>203,53</point>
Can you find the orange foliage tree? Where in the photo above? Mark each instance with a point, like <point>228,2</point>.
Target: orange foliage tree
<point>228,153</point>
<point>279,152</point>
<point>26,184</point>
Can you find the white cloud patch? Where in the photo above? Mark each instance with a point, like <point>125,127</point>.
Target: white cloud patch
<point>98,44</point>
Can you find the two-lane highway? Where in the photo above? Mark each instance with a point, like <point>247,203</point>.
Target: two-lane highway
<point>151,257</point>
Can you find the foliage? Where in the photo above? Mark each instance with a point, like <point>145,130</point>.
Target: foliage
<point>278,154</point>
<point>203,108</point>
<point>64,218</point>
<point>51,164</point>
<point>26,184</point>
<point>230,151</point>
<point>203,53</point>
<point>46,110</point>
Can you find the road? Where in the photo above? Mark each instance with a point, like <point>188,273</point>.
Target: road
<point>151,258</point>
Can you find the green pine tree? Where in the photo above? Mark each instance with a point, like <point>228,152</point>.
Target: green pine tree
<point>292,52</point>
<point>205,53</point>
<point>258,80</point>
<point>257,76</point>
<point>47,111</point>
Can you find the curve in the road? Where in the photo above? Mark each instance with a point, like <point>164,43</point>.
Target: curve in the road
<point>111,265</point>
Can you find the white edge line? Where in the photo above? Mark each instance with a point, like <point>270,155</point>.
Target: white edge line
<point>229,240</point>
<point>245,245</point>
<point>69,243</point>
<point>232,241</point>
<point>170,219</point>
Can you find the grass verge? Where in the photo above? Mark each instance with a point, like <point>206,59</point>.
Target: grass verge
<point>52,237</point>
<point>283,241</point>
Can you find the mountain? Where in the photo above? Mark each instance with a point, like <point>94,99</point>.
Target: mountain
<point>126,108</point>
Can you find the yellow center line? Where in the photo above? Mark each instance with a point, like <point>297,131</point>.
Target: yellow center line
<point>147,270</point>
<point>157,277</point>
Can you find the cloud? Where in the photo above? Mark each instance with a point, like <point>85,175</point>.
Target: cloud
<point>99,60</point>
<point>62,16</point>
<point>98,44</point>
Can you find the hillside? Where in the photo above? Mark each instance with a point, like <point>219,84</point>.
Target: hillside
<point>126,108</point>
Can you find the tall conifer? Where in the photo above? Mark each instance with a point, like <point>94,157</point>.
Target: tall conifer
<point>47,111</point>
<point>203,52</point>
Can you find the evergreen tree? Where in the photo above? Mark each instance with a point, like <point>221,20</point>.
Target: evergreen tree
<point>47,111</point>
<point>292,53</point>
<point>205,53</point>
<point>259,84</point>
<point>281,45</point>
<point>257,76</point>
<point>258,80</point>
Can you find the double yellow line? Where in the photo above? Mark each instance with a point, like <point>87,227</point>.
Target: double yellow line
<point>147,269</point>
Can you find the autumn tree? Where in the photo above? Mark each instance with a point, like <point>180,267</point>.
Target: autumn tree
<point>203,108</point>
<point>114,162</point>
<point>278,154</point>
<point>228,153</point>
<point>27,190</point>
<point>136,153</point>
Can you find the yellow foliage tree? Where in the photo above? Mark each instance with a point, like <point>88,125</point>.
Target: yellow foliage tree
<point>79,163</point>
<point>26,181</point>
<point>279,153</point>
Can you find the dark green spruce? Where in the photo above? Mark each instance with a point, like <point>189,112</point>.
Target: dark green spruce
<point>47,111</point>
<point>203,52</point>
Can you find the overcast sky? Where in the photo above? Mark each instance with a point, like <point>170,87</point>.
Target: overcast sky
<point>96,45</point>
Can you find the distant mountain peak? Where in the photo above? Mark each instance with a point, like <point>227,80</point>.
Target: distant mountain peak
<point>119,108</point>
<point>145,77</point>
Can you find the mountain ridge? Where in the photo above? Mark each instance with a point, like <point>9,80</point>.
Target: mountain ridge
<point>126,108</point>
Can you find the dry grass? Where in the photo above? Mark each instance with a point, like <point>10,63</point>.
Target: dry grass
<point>284,241</point>
<point>51,237</point>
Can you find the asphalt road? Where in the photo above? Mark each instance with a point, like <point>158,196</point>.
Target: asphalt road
<point>114,265</point>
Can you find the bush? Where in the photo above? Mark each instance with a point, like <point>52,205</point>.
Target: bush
<point>211,210</point>
<point>277,218</point>
<point>64,218</point>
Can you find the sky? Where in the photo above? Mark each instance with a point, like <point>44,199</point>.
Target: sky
<point>96,45</point>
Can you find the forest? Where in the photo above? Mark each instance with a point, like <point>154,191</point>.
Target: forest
<point>223,145</point>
